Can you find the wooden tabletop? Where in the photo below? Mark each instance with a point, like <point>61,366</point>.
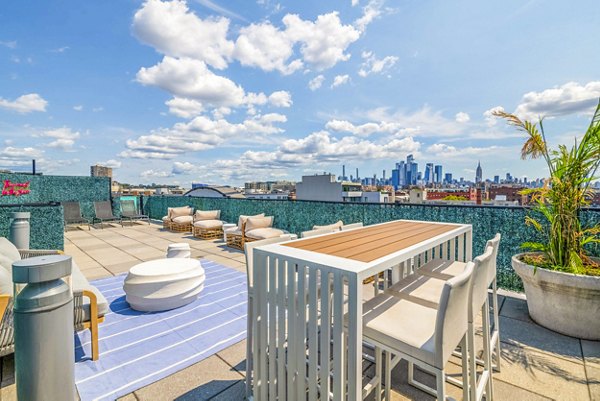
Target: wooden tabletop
<point>372,242</point>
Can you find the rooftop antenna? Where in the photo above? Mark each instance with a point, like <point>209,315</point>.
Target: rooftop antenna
<point>33,166</point>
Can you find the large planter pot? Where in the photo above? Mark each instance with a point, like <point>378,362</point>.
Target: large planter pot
<point>563,302</point>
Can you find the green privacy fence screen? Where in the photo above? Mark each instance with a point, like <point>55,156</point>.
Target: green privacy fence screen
<point>40,195</point>
<point>298,216</point>
<point>56,188</point>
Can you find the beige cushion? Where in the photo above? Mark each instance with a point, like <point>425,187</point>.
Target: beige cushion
<point>6,263</point>
<point>9,250</point>
<point>183,219</point>
<point>179,211</point>
<point>258,222</point>
<point>264,233</point>
<point>243,219</point>
<point>233,231</point>
<point>401,325</point>
<point>337,225</point>
<point>166,218</point>
<point>79,282</point>
<point>449,268</point>
<point>207,215</point>
<point>6,285</point>
<point>420,287</point>
<point>209,224</point>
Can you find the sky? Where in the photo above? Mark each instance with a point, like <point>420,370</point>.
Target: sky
<point>224,92</point>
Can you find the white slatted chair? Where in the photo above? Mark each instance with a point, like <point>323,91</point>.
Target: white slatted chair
<point>352,226</point>
<point>320,231</point>
<point>422,332</point>
<point>445,269</point>
<point>427,286</point>
<point>249,248</point>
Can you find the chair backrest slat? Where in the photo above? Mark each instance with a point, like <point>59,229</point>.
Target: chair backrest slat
<point>128,207</point>
<point>495,244</point>
<point>452,317</point>
<point>103,209</point>
<point>72,210</point>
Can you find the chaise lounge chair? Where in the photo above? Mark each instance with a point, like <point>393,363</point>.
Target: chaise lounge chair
<point>129,212</point>
<point>72,214</point>
<point>104,213</point>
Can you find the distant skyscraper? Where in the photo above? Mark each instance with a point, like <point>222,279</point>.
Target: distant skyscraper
<point>448,178</point>
<point>429,179</point>
<point>438,174</point>
<point>100,171</point>
<point>478,173</point>
<point>412,171</point>
<point>496,179</point>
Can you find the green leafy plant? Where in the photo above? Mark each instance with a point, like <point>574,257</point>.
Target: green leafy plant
<point>557,204</point>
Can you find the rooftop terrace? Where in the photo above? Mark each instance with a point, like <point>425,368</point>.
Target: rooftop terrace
<point>537,364</point>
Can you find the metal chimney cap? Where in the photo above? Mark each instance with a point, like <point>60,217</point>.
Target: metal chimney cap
<point>20,215</point>
<point>41,269</point>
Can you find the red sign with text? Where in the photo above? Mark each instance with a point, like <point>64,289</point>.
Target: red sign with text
<point>15,188</point>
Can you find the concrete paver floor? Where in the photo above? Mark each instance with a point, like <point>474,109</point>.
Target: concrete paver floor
<point>537,364</point>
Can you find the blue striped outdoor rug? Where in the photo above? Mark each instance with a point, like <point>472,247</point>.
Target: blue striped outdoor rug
<point>139,348</point>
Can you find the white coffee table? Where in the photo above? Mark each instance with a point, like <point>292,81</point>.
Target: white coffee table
<point>164,284</point>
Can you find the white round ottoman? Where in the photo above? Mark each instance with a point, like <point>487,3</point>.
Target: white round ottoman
<point>163,284</point>
<point>179,250</point>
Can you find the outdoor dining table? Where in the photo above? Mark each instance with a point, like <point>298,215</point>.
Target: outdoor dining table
<point>308,303</point>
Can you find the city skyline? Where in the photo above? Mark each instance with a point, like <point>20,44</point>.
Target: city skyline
<point>281,90</point>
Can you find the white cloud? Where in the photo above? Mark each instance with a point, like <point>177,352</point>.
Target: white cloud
<point>172,29</point>
<point>189,78</point>
<point>443,151</point>
<point>182,168</point>
<point>570,98</point>
<point>316,82</point>
<point>340,80</point>
<point>267,47</point>
<point>354,3</point>
<point>422,122</point>
<point>78,107</point>
<point>11,44</point>
<point>154,174</point>
<point>323,42</point>
<point>462,117</point>
<point>490,119</point>
<point>98,109</point>
<point>185,108</point>
<point>200,134</point>
<point>371,11</point>
<point>25,104</point>
<point>60,49</point>
<point>281,99</point>
<point>373,65</point>
<point>112,163</point>
<point>64,138</point>
<point>364,129</point>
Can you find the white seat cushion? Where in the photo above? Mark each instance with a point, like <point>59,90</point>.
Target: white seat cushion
<point>174,212</point>
<point>233,231</point>
<point>264,233</point>
<point>183,219</point>
<point>9,250</point>
<point>450,268</point>
<point>79,282</point>
<point>417,287</point>
<point>166,218</point>
<point>252,223</point>
<point>401,325</point>
<point>208,224</point>
<point>243,218</point>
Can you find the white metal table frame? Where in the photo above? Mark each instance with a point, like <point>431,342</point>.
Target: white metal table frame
<point>291,361</point>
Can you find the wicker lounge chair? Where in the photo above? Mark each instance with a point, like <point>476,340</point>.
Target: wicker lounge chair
<point>104,213</point>
<point>130,212</point>
<point>179,219</point>
<point>207,224</point>
<point>72,214</point>
<point>253,228</point>
<point>90,306</point>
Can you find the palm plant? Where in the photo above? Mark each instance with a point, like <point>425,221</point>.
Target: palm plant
<point>558,202</point>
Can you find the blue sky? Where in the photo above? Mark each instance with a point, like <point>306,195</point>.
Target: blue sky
<point>227,92</point>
